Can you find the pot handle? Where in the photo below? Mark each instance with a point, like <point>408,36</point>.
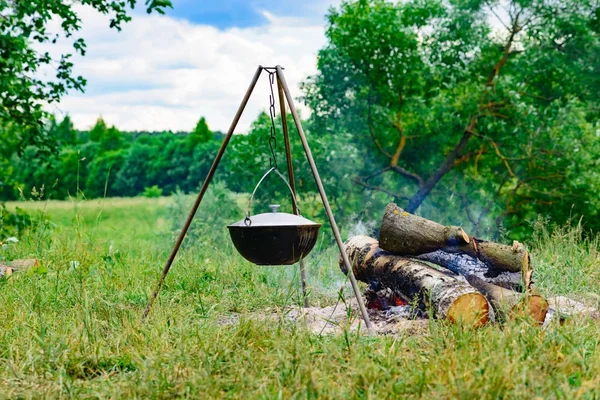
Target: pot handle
<point>247,220</point>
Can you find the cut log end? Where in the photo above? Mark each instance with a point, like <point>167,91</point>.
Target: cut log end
<point>534,306</point>
<point>5,271</point>
<point>465,238</point>
<point>471,309</point>
<point>527,272</point>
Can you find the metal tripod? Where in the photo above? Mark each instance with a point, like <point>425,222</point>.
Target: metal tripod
<point>283,91</point>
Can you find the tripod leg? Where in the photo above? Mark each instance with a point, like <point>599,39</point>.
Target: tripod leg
<point>334,227</point>
<point>211,172</point>
<point>290,168</point>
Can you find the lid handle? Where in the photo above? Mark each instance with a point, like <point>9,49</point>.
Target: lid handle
<point>274,207</point>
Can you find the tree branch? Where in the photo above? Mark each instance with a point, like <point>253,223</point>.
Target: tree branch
<point>408,174</point>
<point>379,189</point>
<point>466,157</point>
<point>507,49</point>
<point>504,160</point>
<point>376,173</point>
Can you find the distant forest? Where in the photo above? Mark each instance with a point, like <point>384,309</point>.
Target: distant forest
<point>107,162</point>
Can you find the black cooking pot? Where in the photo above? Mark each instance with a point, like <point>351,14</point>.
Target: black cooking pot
<point>274,238</point>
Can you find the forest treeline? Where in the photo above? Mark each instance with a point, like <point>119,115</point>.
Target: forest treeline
<point>107,162</point>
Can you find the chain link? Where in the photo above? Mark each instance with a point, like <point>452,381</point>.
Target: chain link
<point>272,137</point>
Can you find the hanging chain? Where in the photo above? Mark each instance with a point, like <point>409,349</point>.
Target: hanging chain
<point>272,137</point>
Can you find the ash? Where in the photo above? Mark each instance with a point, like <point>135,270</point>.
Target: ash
<point>334,320</point>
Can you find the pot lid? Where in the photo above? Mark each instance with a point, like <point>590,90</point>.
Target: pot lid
<point>275,218</point>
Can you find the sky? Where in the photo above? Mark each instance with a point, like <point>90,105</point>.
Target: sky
<point>165,72</point>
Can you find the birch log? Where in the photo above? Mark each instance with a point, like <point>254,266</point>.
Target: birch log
<point>468,266</point>
<point>408,234</point>
<point>508,303</point>
<point>449,298</point>
<point>405,233</point>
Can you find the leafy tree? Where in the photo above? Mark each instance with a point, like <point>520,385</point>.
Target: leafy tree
<point>112,139</point>
<point>9,143</point>
<point>64,132</point>
<point>103,171</point>
<point>153,192</point>
<point>200,163</point>
<point>201,133</point>
<point>466,100</point>
<point>24,25</point>
<point>98,130</point>
<point>133,176</point>
<point>71,174</point>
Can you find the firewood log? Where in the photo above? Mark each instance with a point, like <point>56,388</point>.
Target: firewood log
<point>408,234</point>
<point>508,303</point>
<point>24,264</point>
<point>5,271</point>
<point>468,266</point>
<point>448,297</point>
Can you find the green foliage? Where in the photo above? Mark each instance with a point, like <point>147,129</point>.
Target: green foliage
<point>113,139</point>
<point>109,139</point>
<point>200,134</point>
<point>152,192</point>
<point>98,130</point>
<point>107,162</point>
<point>12,224</point>
<point>100,181</point>
<point>463,106</point>
<point>63,133</point>
<point>219,208</point>
<point>25,25</point>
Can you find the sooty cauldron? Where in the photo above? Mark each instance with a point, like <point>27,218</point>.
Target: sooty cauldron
<point>274,238</point>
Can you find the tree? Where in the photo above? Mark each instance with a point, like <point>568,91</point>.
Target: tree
<point>132,177</point>
<point>200,134</point>
<point>112,139</point>
<point>64,132</point>
<point>103,171</point>
<point>98,131</point>
<point>8,146</point>
<point>24,25</point>
<point>466,98</point>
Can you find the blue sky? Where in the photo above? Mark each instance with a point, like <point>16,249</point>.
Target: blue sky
<point>225,14</point>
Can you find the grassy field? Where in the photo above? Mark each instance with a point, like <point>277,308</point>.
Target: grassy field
<point>71,328</point>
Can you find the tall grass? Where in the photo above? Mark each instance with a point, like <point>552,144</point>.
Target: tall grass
<point>72,328</point>
<point>567,260</point>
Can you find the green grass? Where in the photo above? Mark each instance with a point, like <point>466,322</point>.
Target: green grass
<point>72,327</point>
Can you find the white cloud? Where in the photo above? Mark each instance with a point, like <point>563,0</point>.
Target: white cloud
<point>161,73</point>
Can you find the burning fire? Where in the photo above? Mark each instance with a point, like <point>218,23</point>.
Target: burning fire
<point>382,299</point>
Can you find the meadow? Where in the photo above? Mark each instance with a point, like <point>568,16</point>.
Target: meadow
<point>72,327</point>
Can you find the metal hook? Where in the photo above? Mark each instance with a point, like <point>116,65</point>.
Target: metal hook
<point>248,210</point>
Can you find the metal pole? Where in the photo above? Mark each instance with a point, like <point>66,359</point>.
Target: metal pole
<point>334,227</point>
<point>209,176</point>
<point>290,168</point>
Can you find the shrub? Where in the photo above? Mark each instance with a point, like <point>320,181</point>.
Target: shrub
<point>152,191</point>
<point>13,223</point>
